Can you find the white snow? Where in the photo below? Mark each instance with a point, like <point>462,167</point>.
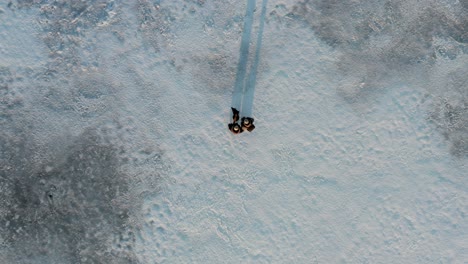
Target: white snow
<point>320,179</point>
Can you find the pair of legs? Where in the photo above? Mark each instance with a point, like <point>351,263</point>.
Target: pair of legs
<point>246,123</point>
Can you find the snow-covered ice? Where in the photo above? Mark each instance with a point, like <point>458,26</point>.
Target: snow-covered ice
<point>114,145</point>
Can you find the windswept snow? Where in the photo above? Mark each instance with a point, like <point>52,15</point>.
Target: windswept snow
<point>114,146</point>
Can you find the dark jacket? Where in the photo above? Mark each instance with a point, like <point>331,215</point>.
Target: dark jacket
<point>247,123</point>
<point>233,127</point>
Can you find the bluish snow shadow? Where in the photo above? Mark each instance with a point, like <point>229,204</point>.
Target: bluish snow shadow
<point>247,102</point>
<point>244,54</point>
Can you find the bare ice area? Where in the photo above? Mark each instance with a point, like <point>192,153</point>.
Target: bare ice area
<point>114,146</point>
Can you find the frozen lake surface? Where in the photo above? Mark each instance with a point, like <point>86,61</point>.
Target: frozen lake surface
<point>114,145</point>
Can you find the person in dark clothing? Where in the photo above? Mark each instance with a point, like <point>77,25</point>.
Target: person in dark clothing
<point>234,127</point>
<point>235,115</point>
<point>247,123</point>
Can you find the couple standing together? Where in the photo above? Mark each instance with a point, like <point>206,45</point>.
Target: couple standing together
<point>246,123</point>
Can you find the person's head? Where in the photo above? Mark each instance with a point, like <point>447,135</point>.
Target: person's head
<point>236,128</point>
<point>246,122</point>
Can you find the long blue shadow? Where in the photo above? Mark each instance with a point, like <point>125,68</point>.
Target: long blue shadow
<point>243,57</point>
<point>247,102</point>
